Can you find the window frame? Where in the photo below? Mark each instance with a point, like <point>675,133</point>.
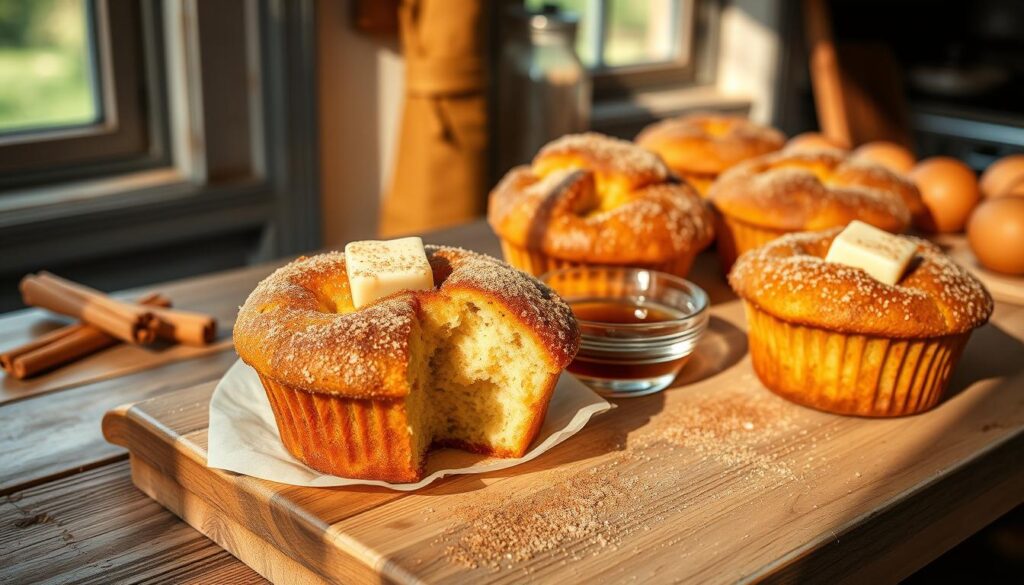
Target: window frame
<point>198,186</point>
<point>693,66</point>
<point>131,132</point>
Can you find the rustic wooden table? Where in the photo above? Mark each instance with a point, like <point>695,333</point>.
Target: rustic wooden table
<point>847,497</point>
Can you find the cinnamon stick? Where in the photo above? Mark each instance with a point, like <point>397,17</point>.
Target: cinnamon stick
<point>80,343</point>
<point>185,326</point>
<point>7,358</point>
<point>125,321</point>
<point>63,345</point>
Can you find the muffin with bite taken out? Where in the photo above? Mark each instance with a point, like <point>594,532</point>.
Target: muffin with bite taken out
<point>372,357</point>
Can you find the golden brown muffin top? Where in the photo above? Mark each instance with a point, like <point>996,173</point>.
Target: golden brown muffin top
<point>593,198</point>
<point>813,190</point>
<point>707,144</point>
<point>789,279</point>
<point>299,326</point>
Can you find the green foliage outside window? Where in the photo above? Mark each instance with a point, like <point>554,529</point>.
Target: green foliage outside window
<point>46,73</point>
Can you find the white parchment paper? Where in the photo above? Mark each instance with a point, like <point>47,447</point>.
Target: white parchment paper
<point>243,435</point>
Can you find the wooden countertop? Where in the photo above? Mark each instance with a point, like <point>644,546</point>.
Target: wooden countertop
<point>69,511</point>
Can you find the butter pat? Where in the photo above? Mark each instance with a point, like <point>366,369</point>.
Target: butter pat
<point>882,255</point>
<point>377,269</point>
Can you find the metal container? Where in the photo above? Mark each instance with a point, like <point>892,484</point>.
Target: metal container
<point>543,88</point>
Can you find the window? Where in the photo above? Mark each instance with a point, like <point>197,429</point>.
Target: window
<point>47,73</point>
<point>634,44</point>
<point>133,128</point>
<point>625,33</point>
<point>79,99</point>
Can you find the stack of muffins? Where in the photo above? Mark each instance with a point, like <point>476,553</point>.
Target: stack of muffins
<point>822,334</point>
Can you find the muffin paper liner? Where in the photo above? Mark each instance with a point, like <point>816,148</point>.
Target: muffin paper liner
<point>245,436</point>
<point>344,436</point>
<point>736,237</point>
<point>537,263</point>
<point>847,373</point>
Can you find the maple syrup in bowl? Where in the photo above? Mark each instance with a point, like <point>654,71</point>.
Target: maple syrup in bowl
<point>638,327</point>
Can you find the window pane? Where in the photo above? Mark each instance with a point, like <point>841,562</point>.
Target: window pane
<point>586,33</point>
<point>46,75</point>
<point>641,32</point>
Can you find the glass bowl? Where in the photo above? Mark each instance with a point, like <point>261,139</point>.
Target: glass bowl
<point>619,358</point>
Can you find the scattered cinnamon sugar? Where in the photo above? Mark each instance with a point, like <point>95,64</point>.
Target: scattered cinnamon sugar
<point>734,429</point>
<point>579,511</point>
<point>746,436</point>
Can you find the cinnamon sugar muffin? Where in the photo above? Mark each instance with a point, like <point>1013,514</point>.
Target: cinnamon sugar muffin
<point>366,393</point>
<point>588,199</point>
<point>699,147</point>
<point>831,337</point>
<point>763,198</point>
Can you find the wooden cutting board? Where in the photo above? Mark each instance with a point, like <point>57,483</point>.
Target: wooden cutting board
<point>714,480</point>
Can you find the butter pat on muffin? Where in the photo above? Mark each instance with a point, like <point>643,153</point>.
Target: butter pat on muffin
<point>377,269</point>
<point>877,252</point>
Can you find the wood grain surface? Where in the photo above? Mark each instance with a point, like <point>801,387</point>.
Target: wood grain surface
<point>66,422</point>
<point>96,527</point>
<point>715,480</point>
<point>69,512</point>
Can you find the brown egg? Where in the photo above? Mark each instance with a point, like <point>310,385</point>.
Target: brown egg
<point>1003,176</point>
<point>996,234</point>
<point>949,190</point>
<point>1017,190</point>
<point>812,141</point>
<point>890,155</point>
